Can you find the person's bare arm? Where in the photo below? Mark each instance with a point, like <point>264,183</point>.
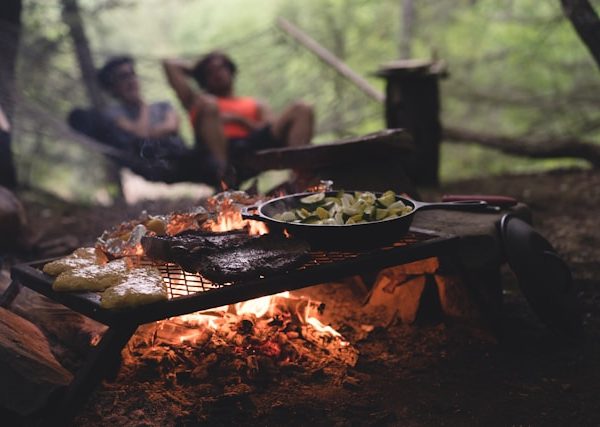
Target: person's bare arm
<point>265,115</point>
<point>240,120</point>
<point>169,126</point>
<point>139,127</point>
<point>177,72</point>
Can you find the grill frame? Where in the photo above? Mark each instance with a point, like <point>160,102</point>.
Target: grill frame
<point>321,267</point>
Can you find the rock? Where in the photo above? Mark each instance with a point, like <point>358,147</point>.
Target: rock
<point>30,373</point>
<point>12,219</point>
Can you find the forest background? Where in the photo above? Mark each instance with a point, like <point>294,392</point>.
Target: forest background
<point>516,69</point>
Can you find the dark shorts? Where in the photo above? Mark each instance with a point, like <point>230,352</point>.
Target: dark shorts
<point>260,139</point>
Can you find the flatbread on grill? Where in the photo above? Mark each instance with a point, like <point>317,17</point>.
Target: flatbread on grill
<point>92,277</point>
<point>81,257</point>
<point>140,286</point>
<point>259,256</point>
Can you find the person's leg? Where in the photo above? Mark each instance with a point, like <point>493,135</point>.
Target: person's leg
<point>295,125</point>
<point>208,127</point>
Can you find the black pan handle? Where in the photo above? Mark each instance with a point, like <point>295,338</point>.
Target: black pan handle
<point>250,212</point>
<point>492,199</point>
<point>463,205</point>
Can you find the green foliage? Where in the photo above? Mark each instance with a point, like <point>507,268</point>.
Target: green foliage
<point>516,68</point>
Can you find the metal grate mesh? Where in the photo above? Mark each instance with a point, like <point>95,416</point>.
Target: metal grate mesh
<point>181,283</point>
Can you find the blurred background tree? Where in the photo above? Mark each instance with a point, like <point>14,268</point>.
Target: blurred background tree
<point>517,70</point>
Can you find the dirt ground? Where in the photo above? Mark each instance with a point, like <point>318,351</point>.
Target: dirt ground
<point>413,375</point>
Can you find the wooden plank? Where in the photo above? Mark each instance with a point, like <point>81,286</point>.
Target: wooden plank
<point>384,144</point>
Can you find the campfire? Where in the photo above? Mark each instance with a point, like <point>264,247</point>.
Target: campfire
<point>241,339</point>
<point>253,339</point>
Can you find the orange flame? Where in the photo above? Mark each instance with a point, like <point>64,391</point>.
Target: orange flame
<point>230,218</point>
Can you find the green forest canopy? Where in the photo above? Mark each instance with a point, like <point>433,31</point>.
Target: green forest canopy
<point>516,68</point>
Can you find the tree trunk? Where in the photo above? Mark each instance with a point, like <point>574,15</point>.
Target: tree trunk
<point>408,18</point>
<point>72,18</point>
<point>10,31</point>
<point>586,23</point>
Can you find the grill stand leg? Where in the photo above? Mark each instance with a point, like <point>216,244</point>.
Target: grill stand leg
<point>10,294</point>
<point>99,361</point>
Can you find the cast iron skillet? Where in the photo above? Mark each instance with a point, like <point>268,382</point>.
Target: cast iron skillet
<point>364,235</point>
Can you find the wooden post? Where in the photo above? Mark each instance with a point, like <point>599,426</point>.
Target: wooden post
<point>412,102</point>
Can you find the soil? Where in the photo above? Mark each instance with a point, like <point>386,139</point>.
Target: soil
<point>426,374</point>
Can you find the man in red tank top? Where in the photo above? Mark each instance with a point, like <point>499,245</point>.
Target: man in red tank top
<point>230,125</point>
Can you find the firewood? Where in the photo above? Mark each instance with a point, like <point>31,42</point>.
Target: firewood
<point>30,373</point>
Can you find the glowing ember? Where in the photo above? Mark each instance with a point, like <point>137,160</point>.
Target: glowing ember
<point>316,323</point>
<point>95,339</point>
<point>262,318</point>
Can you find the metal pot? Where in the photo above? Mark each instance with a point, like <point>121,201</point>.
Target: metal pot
<point>369,234</point>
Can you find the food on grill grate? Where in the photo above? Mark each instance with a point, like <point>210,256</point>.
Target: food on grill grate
<point>123,239</point>
<point>140,286</point>
<point>92,277</point>
<point>82,257</point>
<point>258,256</point>
<point>191,245</point>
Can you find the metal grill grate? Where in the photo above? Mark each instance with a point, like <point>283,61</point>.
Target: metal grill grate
<point>181,283</point>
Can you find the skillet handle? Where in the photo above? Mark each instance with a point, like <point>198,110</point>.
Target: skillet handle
<point>492,199</point>
<point>249,212</point>
<point>463,205</point>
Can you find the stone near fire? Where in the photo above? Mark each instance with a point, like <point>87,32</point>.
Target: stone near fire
<point>30,373</point>
<point>12,219</point>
